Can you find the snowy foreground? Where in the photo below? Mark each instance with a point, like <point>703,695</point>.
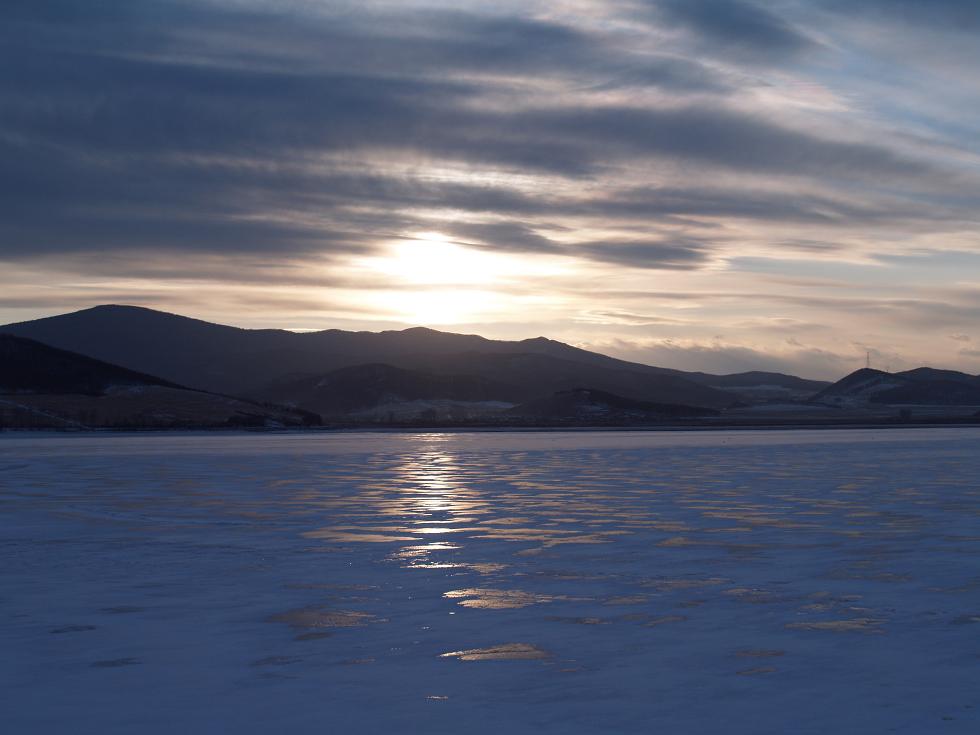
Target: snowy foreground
<point>716,582</point>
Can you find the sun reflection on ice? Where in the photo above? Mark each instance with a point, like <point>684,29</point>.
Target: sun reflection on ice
<point>436,502</point>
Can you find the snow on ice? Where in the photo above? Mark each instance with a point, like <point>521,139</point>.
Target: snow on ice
<point>581,582</point>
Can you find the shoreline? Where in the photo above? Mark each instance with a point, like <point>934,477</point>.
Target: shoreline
<point>954,423</point>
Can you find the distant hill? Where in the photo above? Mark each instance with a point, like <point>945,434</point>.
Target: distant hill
<point>42,386</point>
<point>240,361</point>
<point>933,393</point>
<point>922,386</point>
<point>928,374</point>
<point>585,406</point>
<point>360,387</point>
<point>859,385</point>
<point>759,386</point>
<point>471,378</point>
<point>537,375</point>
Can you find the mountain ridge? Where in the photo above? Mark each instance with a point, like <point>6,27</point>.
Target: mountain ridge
<point>422,375</point>
<point>228,359</point>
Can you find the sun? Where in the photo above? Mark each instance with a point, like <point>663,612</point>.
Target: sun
<point>430,258</point>
<point>435,281</point>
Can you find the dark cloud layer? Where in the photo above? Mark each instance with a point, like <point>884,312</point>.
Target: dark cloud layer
<point>293,130</point>
<point>664,255</point>
<point>742,28</point>
<point>952,14</point>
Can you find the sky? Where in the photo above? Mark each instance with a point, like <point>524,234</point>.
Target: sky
<point>719,185</point>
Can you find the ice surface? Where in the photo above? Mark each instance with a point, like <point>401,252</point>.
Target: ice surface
<point>600,582</point>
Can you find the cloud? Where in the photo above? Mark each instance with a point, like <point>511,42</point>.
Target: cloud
<point>658,254</point>
<point>624,318</point>
<point>502,236</point>
<point>174,126</point>
<point>760,204</point>
<point>714,135</point>
<point>961,15</point>
<point>739,28</point>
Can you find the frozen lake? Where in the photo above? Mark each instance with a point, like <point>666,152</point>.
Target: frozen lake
<point>735,582</point>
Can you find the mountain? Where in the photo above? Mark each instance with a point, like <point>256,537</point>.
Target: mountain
<point>377,386</point>
<point>922,386</point>
<point>241,361</point>
<point>928,374</point>
<point>758,386</point>
<point>42,386</point>
<point>932,393</point>
<point>536,375</point>
<point>589,406</point>
<point>859,386</point>
<point>470,384</point>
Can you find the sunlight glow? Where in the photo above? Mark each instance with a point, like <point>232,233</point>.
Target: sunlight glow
<point>441,306</point>
<point>435,281</point>
<point>431,258</point>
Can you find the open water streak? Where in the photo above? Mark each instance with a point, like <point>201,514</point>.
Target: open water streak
<point>744,582</point>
